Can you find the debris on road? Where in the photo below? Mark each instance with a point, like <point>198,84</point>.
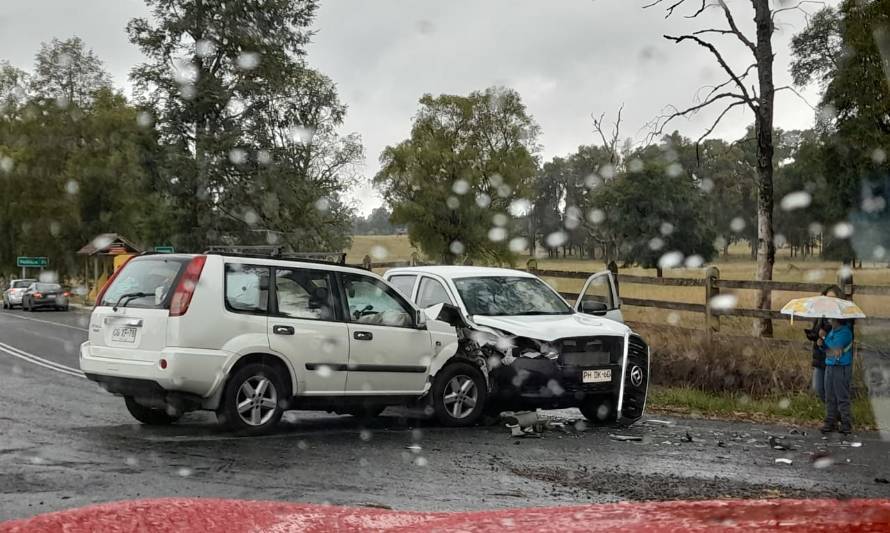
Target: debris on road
<point>776,444</point>
<point>882,480</point>
<point>721,444</point>
<point>659,422</point>
<point>687,437</point>
<point>415,448</point>
<point>625,438</point>
<point>784,461</point>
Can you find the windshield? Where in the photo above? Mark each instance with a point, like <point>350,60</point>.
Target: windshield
<point>509,296</point>
<point>150,278</point>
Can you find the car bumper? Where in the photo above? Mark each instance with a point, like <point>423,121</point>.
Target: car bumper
<point>195,372</point>
<point>14,300</point>
<point>43,302</point>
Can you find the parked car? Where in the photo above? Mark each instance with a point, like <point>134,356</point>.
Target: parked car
<point>13,295</point>
<point>249,337</point>
<point>539,350</point>
<point>45,295</point>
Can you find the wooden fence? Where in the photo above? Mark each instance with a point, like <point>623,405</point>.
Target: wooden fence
<point>711,283</point>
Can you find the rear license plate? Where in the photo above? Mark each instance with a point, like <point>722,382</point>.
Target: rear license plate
<point>123,335</point>
<point>597,376</point>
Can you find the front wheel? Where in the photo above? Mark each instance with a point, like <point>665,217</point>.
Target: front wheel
<point>459,393</point>
<point>149,415</point>
<point>253,400</point>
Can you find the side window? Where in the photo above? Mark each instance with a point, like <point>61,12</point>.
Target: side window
<point>373,302</point>
<point>431,293</point>
<point>404,284</point>
<point>302,293</point>
<point>247,288</point>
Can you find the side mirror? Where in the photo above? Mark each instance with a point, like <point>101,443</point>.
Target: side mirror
<point>447,313</point>
<point>592,307</point>
<point>420,319</point>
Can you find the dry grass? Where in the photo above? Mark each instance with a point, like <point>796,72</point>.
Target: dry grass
<point>397,247</point>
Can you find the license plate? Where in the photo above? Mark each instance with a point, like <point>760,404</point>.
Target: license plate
<point>597,376</point>
<point>123,335</point>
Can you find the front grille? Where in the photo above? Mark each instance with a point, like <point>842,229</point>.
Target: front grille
<point>637,366</point>
<point>589,352</point>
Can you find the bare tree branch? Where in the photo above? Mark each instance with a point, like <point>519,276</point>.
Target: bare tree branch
<point>612,142</point>
<point>704,5</point>
<point>797,7</point>
<point>747,96</point>
<point>716,88</point>
<point>717,120</point>
<point>670,10</point>
<point>795,91</point>
<point>735,29</point>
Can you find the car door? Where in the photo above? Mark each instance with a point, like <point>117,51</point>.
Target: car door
<point>388,353</point>
<point>307,325</point>
<point>600,297</point>
<point>431,292</point>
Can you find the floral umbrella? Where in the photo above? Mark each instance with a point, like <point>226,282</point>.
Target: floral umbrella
<point>822,307</point>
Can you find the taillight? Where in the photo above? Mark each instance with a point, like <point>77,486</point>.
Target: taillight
<point>108,283</point>
<point>38,295</point>
<point>66,294</point>
<point>182,297</point>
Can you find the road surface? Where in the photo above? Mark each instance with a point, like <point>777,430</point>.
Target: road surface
<point>66,443</point>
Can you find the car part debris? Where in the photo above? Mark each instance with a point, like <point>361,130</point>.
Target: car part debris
<point>855,445</point>
<point>784,461</point>
<point>522,419</point>
<point>688,437</point>
<point>882,480</point>
<point>776,444</point>
<point>625,438</point>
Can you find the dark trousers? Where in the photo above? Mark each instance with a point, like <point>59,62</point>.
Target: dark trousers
<point>838,380</point>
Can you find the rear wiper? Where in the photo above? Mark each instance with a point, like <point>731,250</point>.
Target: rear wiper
<point>129,296</point>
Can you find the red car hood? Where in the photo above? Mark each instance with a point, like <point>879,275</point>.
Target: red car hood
<point>207,516</point>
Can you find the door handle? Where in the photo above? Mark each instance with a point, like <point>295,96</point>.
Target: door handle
<point>363,335</point>
<point>282,330</point>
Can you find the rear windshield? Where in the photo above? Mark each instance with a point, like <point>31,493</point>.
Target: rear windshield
<point>48,287</point>
<point>22,283</point>
<point>151,278</point>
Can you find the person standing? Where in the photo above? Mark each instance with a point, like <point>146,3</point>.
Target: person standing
<point>820,328</point>
<point>838,345</point>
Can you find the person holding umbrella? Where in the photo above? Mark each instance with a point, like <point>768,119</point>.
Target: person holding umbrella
<point>820,327</point>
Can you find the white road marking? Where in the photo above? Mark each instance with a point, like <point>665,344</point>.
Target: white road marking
<point>45,321</point>
<point>40,361</point>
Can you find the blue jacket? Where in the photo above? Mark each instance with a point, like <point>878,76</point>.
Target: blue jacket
<point>839,338</point>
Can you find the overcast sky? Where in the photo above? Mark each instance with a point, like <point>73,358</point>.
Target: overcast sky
<point>567,58</point>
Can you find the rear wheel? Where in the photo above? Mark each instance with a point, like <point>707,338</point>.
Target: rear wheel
<point>151,416</point>
<point>599,410</point>
<point>26,306</point>
<point>459,393</point>
<point>253,399</point>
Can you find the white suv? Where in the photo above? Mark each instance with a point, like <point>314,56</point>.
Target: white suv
<point>250,337</point>
<point>539,350</point>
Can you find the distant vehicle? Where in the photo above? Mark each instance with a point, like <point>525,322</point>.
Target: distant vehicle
<point>13,295</point>
<point>250,337</point>
<point>541,352</point>
<point>45,295</point>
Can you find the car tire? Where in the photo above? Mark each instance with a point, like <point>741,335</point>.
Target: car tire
<point>150,416</point>
<point>26,307</point>
<point>263,413</point>
<point>459,393</point>
<point>599,410</point>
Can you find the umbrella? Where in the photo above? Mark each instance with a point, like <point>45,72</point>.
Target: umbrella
<point>822,307</point>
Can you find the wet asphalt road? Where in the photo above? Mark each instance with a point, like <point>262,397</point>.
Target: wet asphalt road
<point>66,443</point>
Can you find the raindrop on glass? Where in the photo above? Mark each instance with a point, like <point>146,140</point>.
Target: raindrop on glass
<point>706,185</point>
<point>670,260</point>
<point>452,202</point>
<point>842,230</point>
<point>379,252</point>
<point>879,156</point>
<point>456,248</point>
<point>723,302</point>
<point>674,170</point>
<point>656,243</point>
<point>596,216</point>
<point>694,261</point>
<point>144,119</point>
<point>556,239</point>
<point>205,48</point>
<point>184,472</point>
<point>483,200</point>
<point>72,187</point>
<point>796,200</point>
<point>237,156</point>
<point>666,228</point>
<point>365,435</point>
<point>737,225</point>
<point>518,245</point>
<point>6,164</point>
<point>520,207</point>
<point>460,187</point>
<point>323,205</point>
<point>263,157</point>
<point>635,165</point>
<point>323,371</point>
<point>497,234</point>
<point>248,60</point>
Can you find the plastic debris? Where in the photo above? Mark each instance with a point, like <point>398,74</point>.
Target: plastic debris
<point>625,438</point>
<point>776,444</point>
<point>855,445</point>
<point>784,461</point>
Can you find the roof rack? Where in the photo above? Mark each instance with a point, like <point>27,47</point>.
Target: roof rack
<point>277,252</point>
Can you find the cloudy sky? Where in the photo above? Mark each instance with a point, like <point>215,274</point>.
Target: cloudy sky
<point>567,58</point>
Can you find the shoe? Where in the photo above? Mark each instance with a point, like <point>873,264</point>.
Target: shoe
<point>827,428</point>
<point>846,431</point>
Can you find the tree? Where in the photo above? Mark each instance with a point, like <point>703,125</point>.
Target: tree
<point>454,180</point>
<point>14,84</point>
<point>845,50</point>
<point>68,72</point>
<point>734,93</point>
<point>248,130</point>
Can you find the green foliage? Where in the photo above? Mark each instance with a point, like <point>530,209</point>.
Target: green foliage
<point>468,158</point>
<point>68,72</point>
<point>376,223</point>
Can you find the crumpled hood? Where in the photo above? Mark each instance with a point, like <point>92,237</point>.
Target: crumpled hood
<point>552,327</point>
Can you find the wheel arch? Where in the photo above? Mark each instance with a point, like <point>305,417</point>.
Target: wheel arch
<point>265,358</point>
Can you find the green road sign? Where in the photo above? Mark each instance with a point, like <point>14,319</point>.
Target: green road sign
<point>164,249</point>
<point>32,261</point>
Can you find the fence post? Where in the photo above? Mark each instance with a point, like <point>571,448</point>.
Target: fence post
<point>366,262</point>
<point>712,321</point>
<point>414,259</point>
<point>531,265</point>
<point>845,281</point>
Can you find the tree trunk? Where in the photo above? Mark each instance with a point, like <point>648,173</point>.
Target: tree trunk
<point>766,248</point>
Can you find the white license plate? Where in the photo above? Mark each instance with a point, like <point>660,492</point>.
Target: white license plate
<point>123,335</point>
<point>596,376</point>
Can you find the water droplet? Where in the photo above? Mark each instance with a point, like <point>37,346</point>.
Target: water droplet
<point>460,187</point>
<point>497,234</point>
<point>205,48</point>
<point>556,239</point>
<point>518,245</point>
<point>248,60</point>
<point>504,191</point>
<point>379,252</point>
<point>62,101</point>
<point>6,164</point>
<point>144,119</point>
<point>593,181</point>
<point>329,345</point>
<point>706,185</point>
<point>815,228</point>
<point>37,460</point>
<point>670,260</point>
<point>238,156</point>
<point>483,200</point>
<point>813,275</point>
<point>184,472</point>
<point>323,371</point>
<point>131,461</point>
<point>452,202</point>
<point>737,225</point>
<point>48,276</point>
<point>263,157</point>
<point>596,216</point>
<point>187,91</point>
<point>185,72</point>
<point>796,200</point>
<point>301,444</point>
<point>323,205</point>
<point>421,461</point>
<point>250,217</point>
<point>694,261</point>
<point>784,403</point>
<point>520,207</point>
<point>879,252</point>
<point>656,243</point>
<point>607,171</point>
<point>416,434</point>
<point>823,462</point>
<point>842,230</point>
<point>879,156</point>
<point>666,228</point>
<point>779,240</point>
<point>673,318</point>
<point>365,435</point>
<point>723,302</point>
<point>674,170</point>
<point>573,217</point>
<point>500,219</point>
<point>16,369</point>
<point>55,228</point>
<point>302,134</point>
<point>457,248</point>
<point>635,165</point>
<point>496,180</point>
